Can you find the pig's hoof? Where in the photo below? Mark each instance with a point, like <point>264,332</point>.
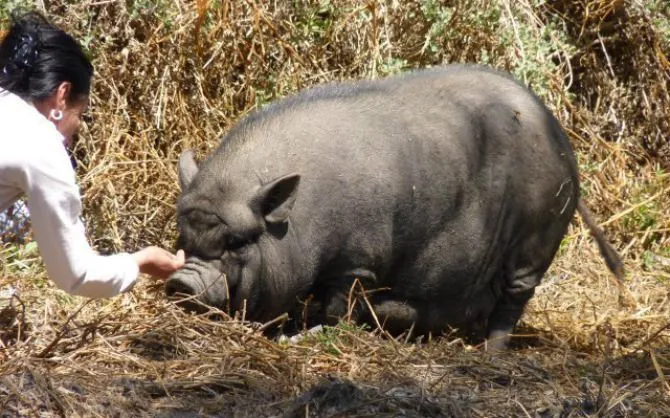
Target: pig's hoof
<point>299,337</point>
<point>497,341</point>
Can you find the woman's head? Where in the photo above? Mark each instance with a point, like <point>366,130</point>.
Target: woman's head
<point>46,67</point>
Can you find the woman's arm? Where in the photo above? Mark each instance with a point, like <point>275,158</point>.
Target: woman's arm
<point>55,206</point>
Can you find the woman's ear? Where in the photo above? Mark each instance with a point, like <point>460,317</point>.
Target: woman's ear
<point>62,95</point>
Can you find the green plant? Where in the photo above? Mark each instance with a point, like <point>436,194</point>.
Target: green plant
<point>9,6</point>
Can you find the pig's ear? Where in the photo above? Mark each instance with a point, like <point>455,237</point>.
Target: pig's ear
<point>276,198</point>
<point>188,168</point>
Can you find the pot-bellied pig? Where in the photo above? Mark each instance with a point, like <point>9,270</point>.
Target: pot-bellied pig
<point>444,193</point>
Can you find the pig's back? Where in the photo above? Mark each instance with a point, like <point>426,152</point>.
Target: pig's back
<point>430,136</point>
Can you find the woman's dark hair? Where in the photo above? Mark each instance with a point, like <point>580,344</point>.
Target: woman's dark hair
<point>36,57</point>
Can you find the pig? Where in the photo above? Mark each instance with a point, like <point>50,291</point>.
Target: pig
<point>444,193</point>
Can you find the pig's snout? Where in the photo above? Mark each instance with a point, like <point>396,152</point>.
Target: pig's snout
<point>179,287</point>
<point>188,291</point>
<point>198,286</point>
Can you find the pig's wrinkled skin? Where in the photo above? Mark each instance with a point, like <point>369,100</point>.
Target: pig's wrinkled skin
<point>448,189</point>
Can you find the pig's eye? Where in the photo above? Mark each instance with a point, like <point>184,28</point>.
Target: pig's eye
<point>236,243</point>
<point>200,222</point>
<point>203,219</point>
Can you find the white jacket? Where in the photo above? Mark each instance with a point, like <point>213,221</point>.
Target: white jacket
<point>34,162</point>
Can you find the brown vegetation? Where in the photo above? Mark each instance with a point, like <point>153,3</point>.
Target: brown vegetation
<point>173,75</point>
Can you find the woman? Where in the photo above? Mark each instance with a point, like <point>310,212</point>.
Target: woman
<point>45,80</point>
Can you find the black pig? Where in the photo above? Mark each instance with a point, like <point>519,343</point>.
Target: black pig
<point>448,191</point>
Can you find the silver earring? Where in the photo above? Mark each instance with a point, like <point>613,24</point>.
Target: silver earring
<point>56,114</point>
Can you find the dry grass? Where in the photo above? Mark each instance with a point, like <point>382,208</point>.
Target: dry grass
<point>177,74</point>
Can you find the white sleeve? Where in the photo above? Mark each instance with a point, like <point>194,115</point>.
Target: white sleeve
<point>55,208</point>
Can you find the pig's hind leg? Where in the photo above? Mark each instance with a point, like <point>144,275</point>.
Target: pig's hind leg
<point>510,306</point>
<point>523,272</point>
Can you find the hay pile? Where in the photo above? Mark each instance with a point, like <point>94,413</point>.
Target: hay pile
<point>177,74</point>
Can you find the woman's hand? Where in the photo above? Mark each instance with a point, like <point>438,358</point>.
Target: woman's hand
<point>158,262</point>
